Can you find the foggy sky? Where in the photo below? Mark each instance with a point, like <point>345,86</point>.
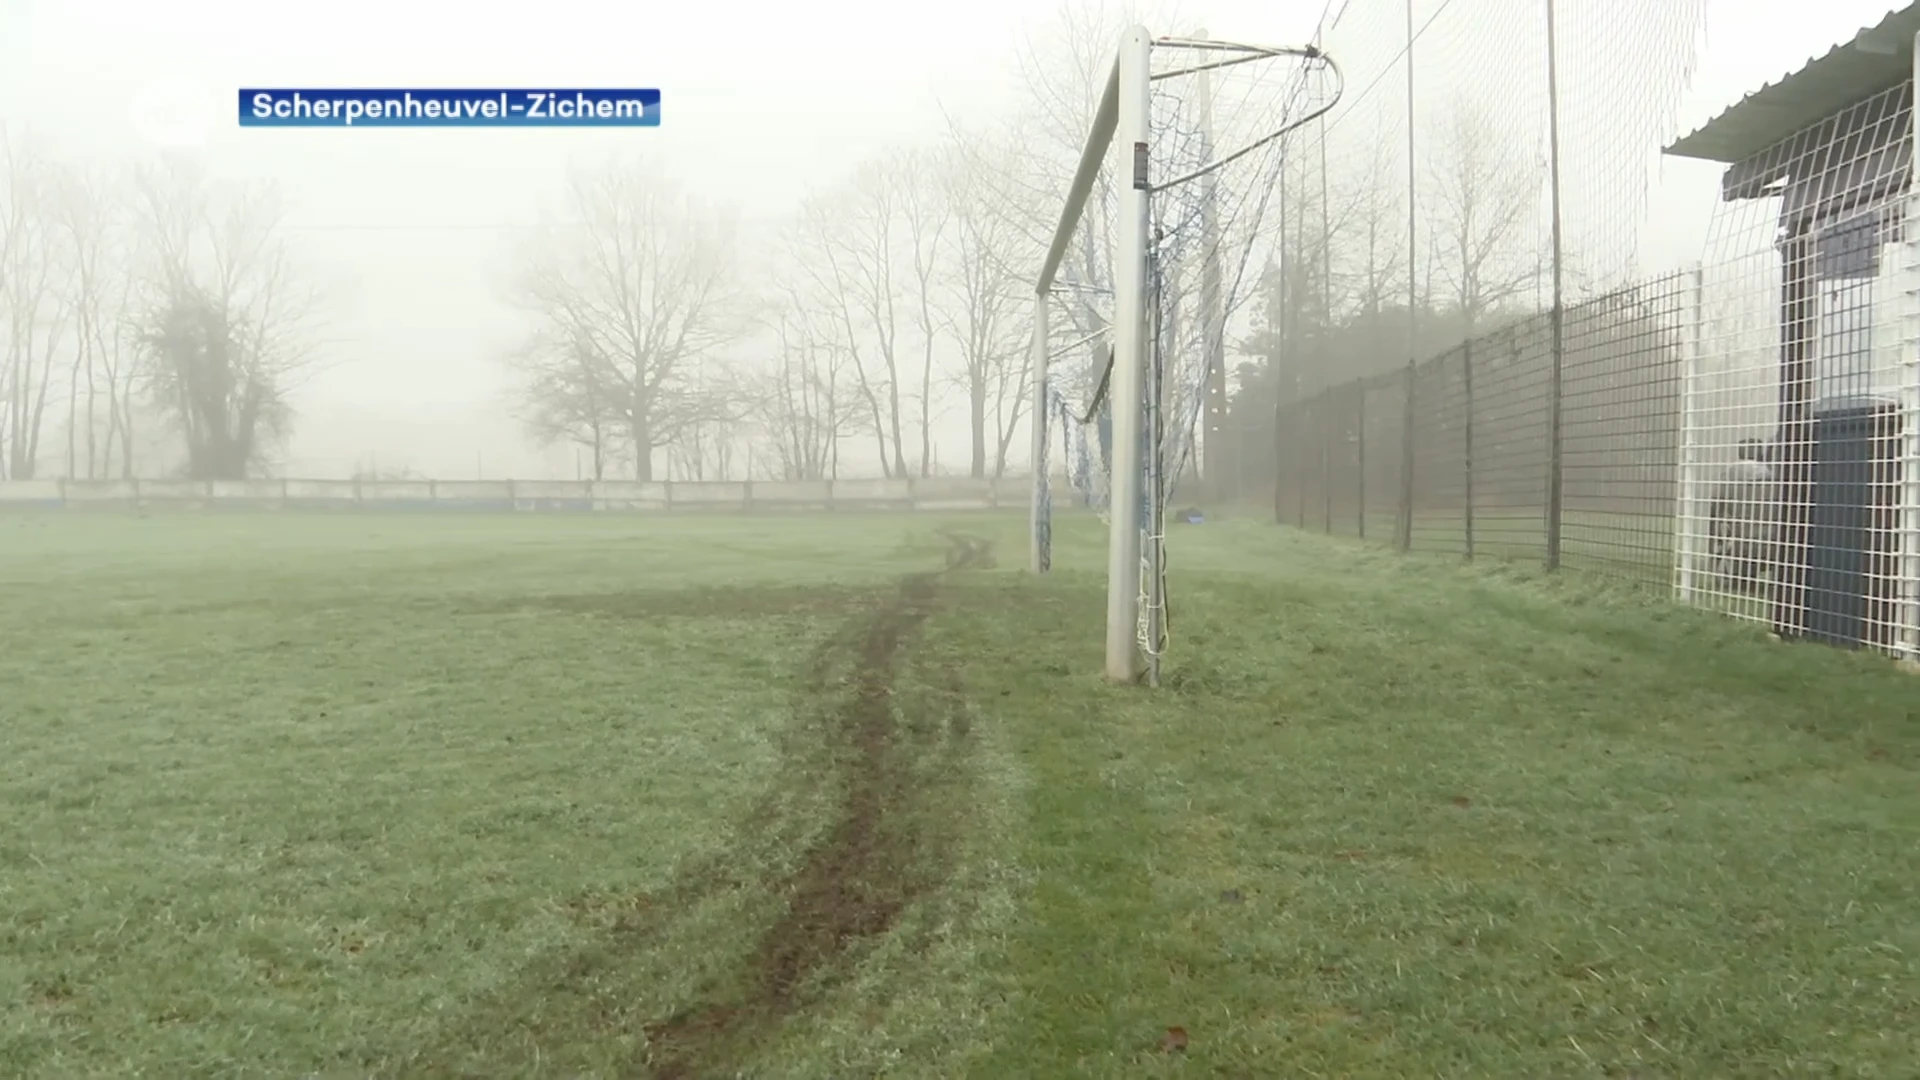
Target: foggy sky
<point>412,229</point>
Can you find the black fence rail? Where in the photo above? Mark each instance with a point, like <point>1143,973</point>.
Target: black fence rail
<point>1482,450</point>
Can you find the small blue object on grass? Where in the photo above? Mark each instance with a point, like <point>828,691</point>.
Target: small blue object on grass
<point>1192,517</point>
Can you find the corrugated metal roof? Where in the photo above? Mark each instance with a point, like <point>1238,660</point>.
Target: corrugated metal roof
<point>1879,57</point>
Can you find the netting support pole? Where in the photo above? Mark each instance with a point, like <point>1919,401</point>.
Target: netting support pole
<point>1042,511</point>
<point>1555,439</point>
<point>1323,347</point>
<point>1466,462</point>
<point>1409,429</point>
<point>1404,527</point>
<point>1129,356</point>
<point>1360,456</point>
<point>1329,444</point>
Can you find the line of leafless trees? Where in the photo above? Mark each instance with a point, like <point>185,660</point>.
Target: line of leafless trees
<point>890,295</point>
<point>150,315</point>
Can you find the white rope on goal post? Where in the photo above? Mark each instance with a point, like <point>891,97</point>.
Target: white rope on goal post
<point>1143,342</point>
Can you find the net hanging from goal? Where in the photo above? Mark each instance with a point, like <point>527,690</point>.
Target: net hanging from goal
<point>1200,139</point>
<point>1086,445</point>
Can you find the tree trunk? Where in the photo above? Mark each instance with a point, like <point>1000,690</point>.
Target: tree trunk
<point>73,419</point>
<point>93,412</point>
<point>926,413</point>
<point>642,452</point>
<point>977,426</point>
<point>126,431</point>
<point>880,435</point>
<point>893,412</point>
<point>1000,456</point>
<point>39,416</point>
<point>80,357</point>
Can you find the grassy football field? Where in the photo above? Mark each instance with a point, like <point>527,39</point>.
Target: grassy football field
<point>290,794</point>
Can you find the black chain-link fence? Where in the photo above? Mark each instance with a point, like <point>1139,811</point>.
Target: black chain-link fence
<point>1485,450</point>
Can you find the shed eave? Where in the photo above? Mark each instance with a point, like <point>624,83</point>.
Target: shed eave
<point>1879,58</point>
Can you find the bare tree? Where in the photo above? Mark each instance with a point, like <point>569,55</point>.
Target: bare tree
<point>866,253</point>
<point>927,214</point>
<point>1486,196</point>
<point>645,280</point>
<point>722,408</point>
<point>84,216</point>
<point>31,266</point>
<point>225,323</point>
<point>568,392</point>
<point>117,349</point>
<point>1369,251</point>
<point>847,245</point>
<point>89,218</point>
<point>806,402</point>
<point>703,452</point>
<point>987,306</point>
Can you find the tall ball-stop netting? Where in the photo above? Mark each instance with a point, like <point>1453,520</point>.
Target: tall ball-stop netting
<point>1167,230</point>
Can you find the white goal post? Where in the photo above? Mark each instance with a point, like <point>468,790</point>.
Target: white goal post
<point>1145,450</point>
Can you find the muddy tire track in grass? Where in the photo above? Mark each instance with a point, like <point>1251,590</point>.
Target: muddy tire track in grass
<point>853,883</point>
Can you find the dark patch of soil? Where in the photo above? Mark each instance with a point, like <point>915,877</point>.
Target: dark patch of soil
<point>875,721</point>
<point>716,602</point>
<point>854,883</point>
<point>965,552</point>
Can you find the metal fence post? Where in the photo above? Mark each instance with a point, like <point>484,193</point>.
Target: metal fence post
<point>1554,440</point>
<point>1406,465</point>
<point>1329,437</point>
<point>1554,450</point>
<point>1280,457</point>
<point>1303,441</point>
<point>1466,373</point>
<point>1360,389</point>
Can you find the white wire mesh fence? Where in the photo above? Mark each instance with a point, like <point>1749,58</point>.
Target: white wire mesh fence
<point>1799,504</point>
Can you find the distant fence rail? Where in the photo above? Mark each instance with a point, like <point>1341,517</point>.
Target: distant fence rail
<point>561,496</point>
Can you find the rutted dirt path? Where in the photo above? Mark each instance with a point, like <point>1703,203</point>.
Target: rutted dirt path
<point>852,884</point>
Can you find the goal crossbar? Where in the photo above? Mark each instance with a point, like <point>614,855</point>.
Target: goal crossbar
<point>1105,119</point>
